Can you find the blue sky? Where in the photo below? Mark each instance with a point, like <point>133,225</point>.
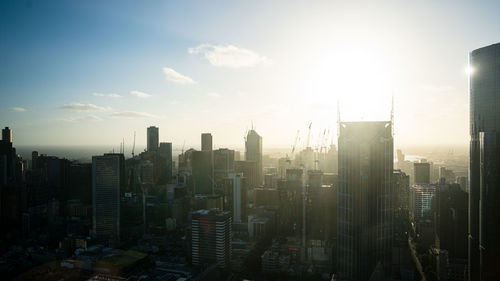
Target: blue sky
<point>92,72</point>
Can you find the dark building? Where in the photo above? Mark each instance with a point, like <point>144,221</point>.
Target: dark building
<point>108,181</point>
<point>152,139</point>
<point>484,195</point>
<point>422,172</point>
<point>165,153</point>
<point>249,170</point>
<point>202,181</point>
<point>206,142</point>
<point>253,152</point>
<point>365,194</point>
<point>223,164</point>
<point>211,238</point>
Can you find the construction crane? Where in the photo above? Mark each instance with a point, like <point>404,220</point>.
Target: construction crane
<point>133,147</point>
<point>309,135</point>
<point>289,159</point>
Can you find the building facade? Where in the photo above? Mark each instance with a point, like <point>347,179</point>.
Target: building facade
<point>484,199</point>
<point>107,183</point>
<point>365,199</point>
<point>211,238</point>
<point>153,139</point>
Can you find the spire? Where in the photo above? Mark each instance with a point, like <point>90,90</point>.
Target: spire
<point>392,114</point>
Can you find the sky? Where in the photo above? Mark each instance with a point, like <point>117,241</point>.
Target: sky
<point>93,72</point>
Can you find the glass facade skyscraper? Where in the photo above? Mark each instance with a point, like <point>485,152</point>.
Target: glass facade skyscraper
<point>484,195</point>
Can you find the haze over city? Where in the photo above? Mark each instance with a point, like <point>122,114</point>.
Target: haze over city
<point>86,73</point>
<point>250,140</point>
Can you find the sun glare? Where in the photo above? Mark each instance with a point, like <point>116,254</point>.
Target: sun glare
<point>359,79</point>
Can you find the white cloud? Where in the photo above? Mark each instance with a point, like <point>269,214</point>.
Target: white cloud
<point>18,109</point>
<point>111,95</point>
<point>83,107</point>
<point>131,115</point>
<point>176,77</point>
<point>140,94</point>
<point>214,95</point>
<point>84,118</point>
<point>229,56</point>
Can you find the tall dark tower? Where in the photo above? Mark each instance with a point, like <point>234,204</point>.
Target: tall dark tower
<point>365,199</point>
<point>206,142</point>
<point>484,169</point>
<point>253,152</point>
<point>7,135</point>
<point>152,139</point>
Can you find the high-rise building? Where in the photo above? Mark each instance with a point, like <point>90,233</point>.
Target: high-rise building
<point>153,139</point>
<point>253,152</point>
<point>365,199</point>
<point>236,182</point>
<point>249,170</point>
<point>422,172</point>
<point>206,142</point>
<point>211,238</point>
<point>202,172</point>
<point>421,197</point>
<point>484,173</point>
<point>223,164</point>
<point>107,182</point>
<point>166,156</point>
<point>7,134</point>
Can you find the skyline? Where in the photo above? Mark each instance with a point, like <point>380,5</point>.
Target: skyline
<point>74,72</point>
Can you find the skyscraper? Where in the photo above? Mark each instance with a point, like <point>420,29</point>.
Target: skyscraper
<point>238,203</point>
<point>484,173</point>
<point>422,172</point>
<point>211,238</point>
<point>107,182</point>
<point>253,152</point>
<point>365,194</point>
<point>206,142</point>
<point>153,139</point>
<point>7,134</point>
<point>166,155</point>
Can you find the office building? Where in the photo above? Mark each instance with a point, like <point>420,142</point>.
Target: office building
<point>421,197</point>
<point>484,196</point>
<point>107,183</point>
<point>249,170</point>
<point>365,199</point>
<point>166,160</point>
<point>253,152</point>
<point>422,172</point>
<point>235,187</point>
<point>7,135</point>
<point>153,139</point>
<point>211,238</point>
<point>206,142</point>
<point>223,164</point>
<point>202,172</point>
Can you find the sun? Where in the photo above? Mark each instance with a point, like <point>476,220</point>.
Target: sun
<point>357,78</point>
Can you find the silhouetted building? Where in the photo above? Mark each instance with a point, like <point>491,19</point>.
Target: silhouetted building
<point>253,152</point>
<point>484,195</point>
<point>153,139</point>
<point>107,181</point>
<point>202,172</point>
<point>223,164</point>
<point>211,238</point>
<point>365,208</point>
<point>422,172</point>
<point>206,142</point>
<point>166,158</point>
<point>7,135</point>
<point>249,170</point>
